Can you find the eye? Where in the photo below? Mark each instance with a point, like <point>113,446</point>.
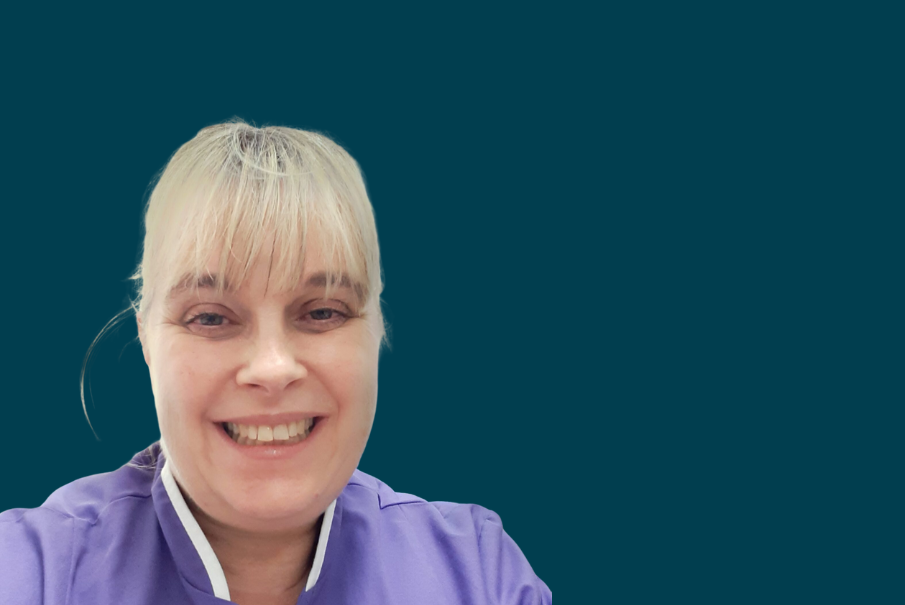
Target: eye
<point>208,323</point>
<point>323,314</point>
<point>209,319</point>
<point>323,319</point>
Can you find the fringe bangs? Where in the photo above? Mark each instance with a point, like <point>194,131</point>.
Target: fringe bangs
<point>249,194</point>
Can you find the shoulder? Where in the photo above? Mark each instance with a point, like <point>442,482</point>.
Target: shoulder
<point>38,545</point>
<point>86,499</point>
<point>372,496</point>
<point>384,496</point>
<point>448,538</point>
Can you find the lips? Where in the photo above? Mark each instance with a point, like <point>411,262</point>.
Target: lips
<point>269,434</point>
<point>247,452</point>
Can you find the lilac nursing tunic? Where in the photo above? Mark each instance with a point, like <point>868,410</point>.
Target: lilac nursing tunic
<point>128,538</point>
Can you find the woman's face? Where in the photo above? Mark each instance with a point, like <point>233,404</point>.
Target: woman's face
<point>256,358</point>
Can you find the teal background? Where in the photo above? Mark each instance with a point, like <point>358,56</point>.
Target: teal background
<point>643,266</point>
<point>97,103</point>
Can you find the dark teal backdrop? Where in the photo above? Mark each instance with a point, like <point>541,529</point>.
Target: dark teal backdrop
<point>454,165</point>
<point>643,266</point>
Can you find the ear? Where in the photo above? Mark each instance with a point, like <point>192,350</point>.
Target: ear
<point>143,338</point>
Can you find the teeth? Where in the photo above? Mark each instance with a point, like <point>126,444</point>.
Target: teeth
<point>282,434</point>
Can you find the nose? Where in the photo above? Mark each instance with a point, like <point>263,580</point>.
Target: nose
<point>272,365</point>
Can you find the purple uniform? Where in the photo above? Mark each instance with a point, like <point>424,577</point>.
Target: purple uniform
<point>128,537</point>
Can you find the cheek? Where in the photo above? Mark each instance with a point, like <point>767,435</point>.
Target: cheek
<point>348,369</point>
<point>184,382</point>
<point>358,380</point>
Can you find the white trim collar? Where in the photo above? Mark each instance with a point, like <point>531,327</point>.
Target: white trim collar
<point>208,557</point>
<point>321,550</point>
<point>206,552</point>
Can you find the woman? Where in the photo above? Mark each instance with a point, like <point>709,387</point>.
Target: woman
<point>259,318</point>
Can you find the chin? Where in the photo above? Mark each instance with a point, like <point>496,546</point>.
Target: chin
<point>275,507</point>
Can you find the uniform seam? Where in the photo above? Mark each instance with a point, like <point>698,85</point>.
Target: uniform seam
<point>420,502</point>
<point>376,492</point>
<point>455,506</point>
<point>487,593</point>
<point>481,530</point>
<point>65,515</point>
<point>38,508</point>
<point>112,502</point>
<point>71,561</point>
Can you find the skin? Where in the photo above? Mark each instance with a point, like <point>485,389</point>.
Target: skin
<point>252,351</point>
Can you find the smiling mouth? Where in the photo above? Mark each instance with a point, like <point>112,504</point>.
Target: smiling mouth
<point>280,434</point>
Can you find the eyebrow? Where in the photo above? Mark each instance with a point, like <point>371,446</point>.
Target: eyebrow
<point>319,279</point>
<point>316,280</point>
<point>203,281</point>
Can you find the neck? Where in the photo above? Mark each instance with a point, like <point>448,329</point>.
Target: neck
<point>262,567</point>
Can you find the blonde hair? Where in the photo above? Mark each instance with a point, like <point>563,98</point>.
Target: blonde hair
<point>234,189</point>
